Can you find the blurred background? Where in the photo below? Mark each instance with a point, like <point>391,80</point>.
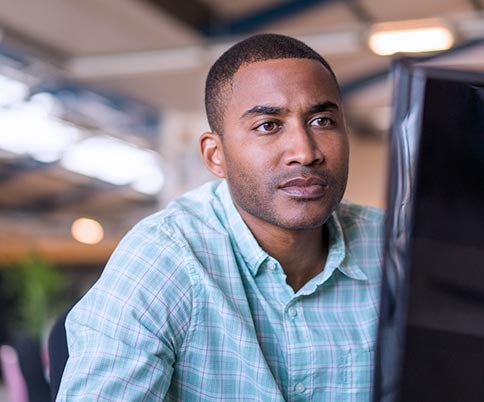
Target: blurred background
<point>101,107</point>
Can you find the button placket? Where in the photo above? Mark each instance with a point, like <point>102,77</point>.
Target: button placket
<point>297,361</point>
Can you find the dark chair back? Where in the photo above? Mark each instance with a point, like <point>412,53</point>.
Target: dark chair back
<point>31,364</point>
<point>58,353</point>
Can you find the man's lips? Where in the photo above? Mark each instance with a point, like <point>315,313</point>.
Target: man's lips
<point>304,187</point>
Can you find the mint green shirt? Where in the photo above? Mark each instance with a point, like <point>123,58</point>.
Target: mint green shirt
<point>190,308</point>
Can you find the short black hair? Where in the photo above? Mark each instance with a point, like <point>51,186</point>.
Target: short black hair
<point>260,47</point>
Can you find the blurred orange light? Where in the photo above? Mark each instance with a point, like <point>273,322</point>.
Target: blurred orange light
<point>87,231</point>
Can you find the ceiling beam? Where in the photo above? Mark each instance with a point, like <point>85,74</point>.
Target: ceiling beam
<point>12,168</point>
<point>361,13</point>
<point>477,5</point>
<point>270,14</point>
<point>30,46</point>
<point>191,58</point>
<point>207,21</point>
<point>82,193</point>
<point>193,13</point>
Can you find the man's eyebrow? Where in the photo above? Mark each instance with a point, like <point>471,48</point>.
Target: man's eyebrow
<point>275,110</point>
<point>260,109</point>
<point>323,106</point>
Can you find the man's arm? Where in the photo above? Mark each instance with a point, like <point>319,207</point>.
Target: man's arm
<point>124,334</point>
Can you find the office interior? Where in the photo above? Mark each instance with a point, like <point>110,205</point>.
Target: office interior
<point>101,107</point>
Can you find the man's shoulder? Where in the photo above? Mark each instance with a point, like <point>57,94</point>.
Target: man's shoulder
<point>360,221</point>
<point>350,212</point>
<point>363,230</point>
<point>167,243</point>
<point>200,209</point>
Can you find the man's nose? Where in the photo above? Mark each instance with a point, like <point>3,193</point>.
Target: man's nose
<point>301,147</point>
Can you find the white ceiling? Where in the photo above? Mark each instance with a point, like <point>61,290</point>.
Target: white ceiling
<point>136,46</point>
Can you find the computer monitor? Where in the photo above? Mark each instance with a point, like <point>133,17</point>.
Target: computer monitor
<point>430,343</point>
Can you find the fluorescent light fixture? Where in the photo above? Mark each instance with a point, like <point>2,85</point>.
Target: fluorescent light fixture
<point>28,129</point>
<point>117,162</point>
<point>11,91</point>
<point>410,36</point>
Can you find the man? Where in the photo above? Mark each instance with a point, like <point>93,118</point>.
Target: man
<point>263,286</point>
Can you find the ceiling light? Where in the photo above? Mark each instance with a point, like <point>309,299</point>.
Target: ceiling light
<point>27,128</point>
<point>87,231</point>
<point>117,162</point>
<point>410,37</point>
<point>11,91</point>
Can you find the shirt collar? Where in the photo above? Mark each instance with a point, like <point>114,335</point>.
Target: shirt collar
<point>254,255</point>
<point>240,234</point>
<point>339,256</point>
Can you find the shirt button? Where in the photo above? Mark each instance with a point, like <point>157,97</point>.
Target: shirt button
<point>300,388</point>
<point>272,266</point>
<point>292,311</point>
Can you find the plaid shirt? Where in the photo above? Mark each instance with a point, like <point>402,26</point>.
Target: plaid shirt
<point>190,308</point>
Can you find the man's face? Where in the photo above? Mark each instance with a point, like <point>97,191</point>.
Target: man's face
<point>284,143</point>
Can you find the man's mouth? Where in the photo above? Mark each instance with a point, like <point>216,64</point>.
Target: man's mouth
<point>304,187</point>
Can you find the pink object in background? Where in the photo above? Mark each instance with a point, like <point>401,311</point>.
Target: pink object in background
<point>12,375</point>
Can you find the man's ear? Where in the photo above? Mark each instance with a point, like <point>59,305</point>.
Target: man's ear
<point>212,153</point>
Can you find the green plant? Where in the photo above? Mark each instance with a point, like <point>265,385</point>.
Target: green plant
<point>37,290</point>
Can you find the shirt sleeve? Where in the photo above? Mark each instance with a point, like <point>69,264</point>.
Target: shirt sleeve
<point>124,334</point>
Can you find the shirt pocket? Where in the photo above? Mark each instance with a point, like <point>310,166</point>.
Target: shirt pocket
<point>360,364</point>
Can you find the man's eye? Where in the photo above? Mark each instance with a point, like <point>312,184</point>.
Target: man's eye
<point>322,122</point>
<point>267,127</point>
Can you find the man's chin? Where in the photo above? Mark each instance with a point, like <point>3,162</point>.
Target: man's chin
<point>303,222</point>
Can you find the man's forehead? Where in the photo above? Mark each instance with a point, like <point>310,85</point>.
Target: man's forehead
<point>277,78</point>
<point>282,71</point>
<point>269,64</point>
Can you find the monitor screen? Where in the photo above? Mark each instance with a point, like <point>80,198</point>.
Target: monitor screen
<point>430,344</point>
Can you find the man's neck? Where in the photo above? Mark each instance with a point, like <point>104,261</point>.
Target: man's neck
<point>301,253</point>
